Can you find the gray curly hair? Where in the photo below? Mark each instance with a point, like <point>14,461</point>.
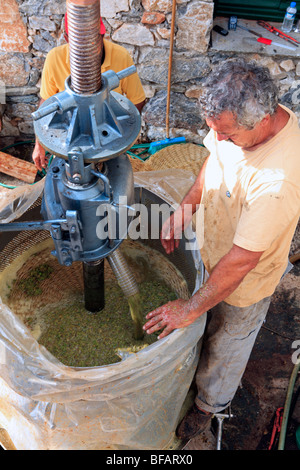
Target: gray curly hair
<point>244,88</point>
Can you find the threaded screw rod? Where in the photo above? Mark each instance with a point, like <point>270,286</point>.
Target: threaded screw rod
<point>85,44</point>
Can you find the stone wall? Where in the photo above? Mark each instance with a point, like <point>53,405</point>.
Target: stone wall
<point>30,28</point>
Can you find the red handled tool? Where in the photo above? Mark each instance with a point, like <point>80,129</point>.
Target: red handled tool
<point>276,428</point>
<point>269,42</point>
<point>266,40</point>
<point>278,32</point>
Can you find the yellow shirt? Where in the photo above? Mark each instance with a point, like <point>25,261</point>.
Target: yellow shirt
<point>57,69</point>
<point>252,199</point>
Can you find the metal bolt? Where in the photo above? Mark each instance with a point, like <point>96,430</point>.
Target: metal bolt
<point>77,177</point>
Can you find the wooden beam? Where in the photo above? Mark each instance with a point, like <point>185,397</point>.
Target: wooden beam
<point>17,168</point>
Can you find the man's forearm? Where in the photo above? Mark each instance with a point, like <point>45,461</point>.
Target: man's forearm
<point>224,279</point>
<point>36,139</point>
<point>39,154</point>
<point>193,197</point>
<point>180,219</point>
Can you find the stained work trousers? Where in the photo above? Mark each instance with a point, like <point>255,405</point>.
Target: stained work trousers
<point>227,344</point>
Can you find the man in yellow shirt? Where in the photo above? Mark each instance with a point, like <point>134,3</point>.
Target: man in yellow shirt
<point>249,196</point>
<point>57,69</point>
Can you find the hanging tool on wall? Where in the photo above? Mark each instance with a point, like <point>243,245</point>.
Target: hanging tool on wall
<point>155,146</point>
<point>278,32</point>
<point>266,41</point>
<point>170,68</point>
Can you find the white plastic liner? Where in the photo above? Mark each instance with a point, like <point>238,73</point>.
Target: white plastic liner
<point>134,404</point>
<point>15,202</point>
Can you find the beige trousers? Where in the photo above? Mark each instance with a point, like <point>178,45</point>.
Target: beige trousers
<point>227,344</point>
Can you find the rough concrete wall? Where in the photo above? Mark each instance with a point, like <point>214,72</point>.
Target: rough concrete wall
<point>30,28</point>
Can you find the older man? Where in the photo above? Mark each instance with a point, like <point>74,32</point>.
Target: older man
<point>57,69</point>
<point>249,188</point>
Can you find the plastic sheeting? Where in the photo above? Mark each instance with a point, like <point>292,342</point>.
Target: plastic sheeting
<point>169,184</point>
<point>15,202</point>
<point>134,404</point>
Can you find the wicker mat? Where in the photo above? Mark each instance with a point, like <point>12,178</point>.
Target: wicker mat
<point>184,156</point>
